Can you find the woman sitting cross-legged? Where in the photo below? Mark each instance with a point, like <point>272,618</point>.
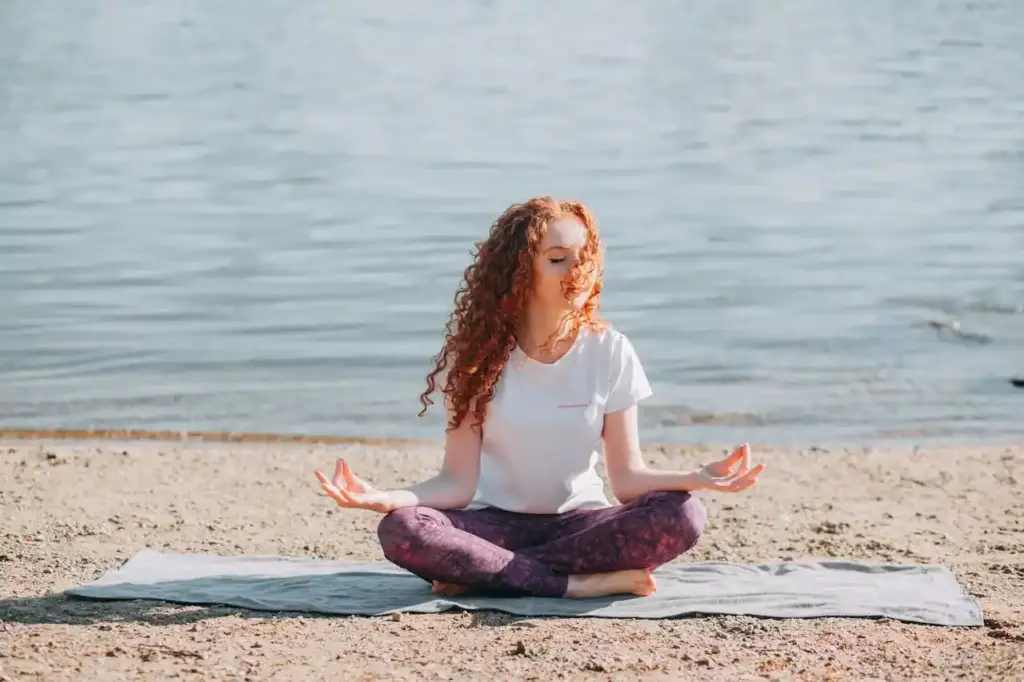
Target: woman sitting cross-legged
<point>533,383</point>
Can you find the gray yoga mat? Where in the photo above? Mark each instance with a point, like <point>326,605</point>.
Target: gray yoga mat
<point>915,593</point>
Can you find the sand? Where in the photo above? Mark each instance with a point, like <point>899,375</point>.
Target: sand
<point>72,509</point>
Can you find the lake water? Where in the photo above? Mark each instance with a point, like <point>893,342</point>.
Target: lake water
<point>252,216</point>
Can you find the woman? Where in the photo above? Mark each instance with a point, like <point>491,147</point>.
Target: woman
<point>532,381</point>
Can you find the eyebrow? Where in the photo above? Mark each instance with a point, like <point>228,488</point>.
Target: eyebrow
<point>558,248</point>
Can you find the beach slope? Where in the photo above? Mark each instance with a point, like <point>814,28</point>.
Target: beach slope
<point>72,509</point>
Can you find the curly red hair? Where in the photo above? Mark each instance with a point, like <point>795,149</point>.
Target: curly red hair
<point>496,287</point>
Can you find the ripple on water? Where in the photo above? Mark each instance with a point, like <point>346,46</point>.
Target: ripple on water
<point>200,233</point>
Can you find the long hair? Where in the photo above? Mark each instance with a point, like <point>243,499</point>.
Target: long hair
<point>492,298</point>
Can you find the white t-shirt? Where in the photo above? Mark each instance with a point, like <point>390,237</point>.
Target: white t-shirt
<point>543,427</point>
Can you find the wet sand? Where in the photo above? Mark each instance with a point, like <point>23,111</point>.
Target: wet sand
<point>72,509</point>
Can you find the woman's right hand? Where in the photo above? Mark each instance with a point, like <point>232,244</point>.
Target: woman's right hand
<point>352,492</point>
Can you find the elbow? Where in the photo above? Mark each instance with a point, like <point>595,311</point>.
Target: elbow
<point>626,486</point>
<point>625,496</point>
<point>462,501</point>
<point>463,491</point>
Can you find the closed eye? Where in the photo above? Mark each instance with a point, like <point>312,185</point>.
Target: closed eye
<point>557,260</point>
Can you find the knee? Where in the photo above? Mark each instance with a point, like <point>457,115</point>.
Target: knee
<point>683,516</point>
<point>400,532</point>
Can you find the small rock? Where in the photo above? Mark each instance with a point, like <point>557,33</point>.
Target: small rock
<point>831,528</point>
<point>523,624</point>
<point>396,617</point>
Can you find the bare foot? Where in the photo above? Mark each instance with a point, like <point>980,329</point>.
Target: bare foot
<point>638,582</point>
<point>449,589</point>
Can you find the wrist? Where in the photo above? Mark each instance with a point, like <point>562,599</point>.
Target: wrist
<point>692,481</point>
<point>397,499</point>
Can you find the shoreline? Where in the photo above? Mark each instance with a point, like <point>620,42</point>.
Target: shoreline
<point>110,434</point>
<point>909,441</point>
<point>74,508</point>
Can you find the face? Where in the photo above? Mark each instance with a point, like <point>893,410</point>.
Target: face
<point>559,250</point>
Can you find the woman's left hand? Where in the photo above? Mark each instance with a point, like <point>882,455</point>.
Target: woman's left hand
<point>732,473</point>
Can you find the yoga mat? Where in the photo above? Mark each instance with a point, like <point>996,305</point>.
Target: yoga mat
<point>926,594</point>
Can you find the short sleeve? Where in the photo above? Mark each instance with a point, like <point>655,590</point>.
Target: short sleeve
<point>628,382</point>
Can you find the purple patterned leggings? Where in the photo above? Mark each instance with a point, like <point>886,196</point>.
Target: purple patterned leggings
<point>534,554</point>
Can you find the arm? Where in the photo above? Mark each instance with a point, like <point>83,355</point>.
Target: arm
<point>628,474</point>
<point>451,488</point>
<point>630,477</point>
<point>454,485</point>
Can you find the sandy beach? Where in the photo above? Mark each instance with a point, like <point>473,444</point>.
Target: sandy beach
<point>74,508</point>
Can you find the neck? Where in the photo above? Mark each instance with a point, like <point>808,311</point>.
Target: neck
<point>543,327</point>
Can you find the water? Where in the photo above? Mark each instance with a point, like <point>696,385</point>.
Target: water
<point>252,216</point>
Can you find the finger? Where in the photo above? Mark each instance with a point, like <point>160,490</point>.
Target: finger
<point>350,479</point>
<point>735,486</point>
<point>339,470</point>
<point>740,460</point>
<point>750,478</point>
<point>739,482</point>
<point>344,494</point>
<point>327,485</point>
<point>340,495</point>
<point>732,459</point>
<point>744,483</point>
